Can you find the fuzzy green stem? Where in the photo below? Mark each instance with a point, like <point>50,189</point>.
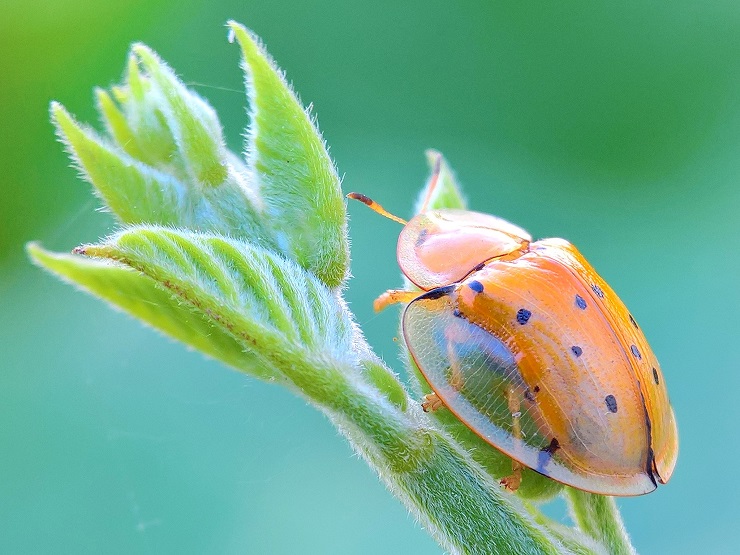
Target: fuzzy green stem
<point>440,484</point>
<point>462,509</point>
<point>598,516</point>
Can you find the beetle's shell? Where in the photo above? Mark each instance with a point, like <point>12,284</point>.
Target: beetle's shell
<point>536,324</point>
<point>443,246</point>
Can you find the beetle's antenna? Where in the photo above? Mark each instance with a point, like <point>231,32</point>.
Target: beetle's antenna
<point>432,183</point>
<point>370,203</point>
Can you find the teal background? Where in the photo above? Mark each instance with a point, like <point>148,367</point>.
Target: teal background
<point>616,127</point>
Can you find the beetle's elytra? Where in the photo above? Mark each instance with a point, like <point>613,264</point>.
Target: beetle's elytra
<point>533,351</point>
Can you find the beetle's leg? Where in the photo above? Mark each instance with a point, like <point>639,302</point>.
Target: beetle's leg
<point>513,480</point>
<point>393,296</point>
<point>456,375</point>
<point>431,403</point>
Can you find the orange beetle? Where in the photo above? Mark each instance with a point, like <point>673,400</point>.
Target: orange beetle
<point>531,349</point>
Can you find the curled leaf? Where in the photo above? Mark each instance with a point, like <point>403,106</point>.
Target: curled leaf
<point>267,301</point>
<point>141,297</point>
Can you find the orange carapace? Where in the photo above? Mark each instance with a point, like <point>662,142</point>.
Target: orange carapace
<point>533,351</point>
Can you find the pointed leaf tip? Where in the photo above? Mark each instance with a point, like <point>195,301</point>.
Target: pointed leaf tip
<point>60,117</point>
<point>141,52</point>
<point>33,250</point>
<point>54,107</point>
<point>133,75</point>
<point>231,32</point>
<point>447,193</point>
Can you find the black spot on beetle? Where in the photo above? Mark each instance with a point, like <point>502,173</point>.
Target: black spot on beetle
<point>580,302</point>
<point>523,315</point>
<point>554,446</point>
<point>636,352</point>
<point>476,286</point>
<point>536,389</point>
<point>611,403</point>
<point>633,321</point>
<point>655,376</point>
<point>546,454</point>
<point>596,289</point>
<point>576,350</point>
<point>437,293</point>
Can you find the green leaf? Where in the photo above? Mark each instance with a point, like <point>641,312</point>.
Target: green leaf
<point>133,191</point>
<point>117,126</point>
<point>286,316</point>
<point>154,142</point>
<point>265,300</point>
<point>386,382</point>
<point>193,123</point>
<point>141,297</point>
<point>137,193</point>
<point>296,177</point>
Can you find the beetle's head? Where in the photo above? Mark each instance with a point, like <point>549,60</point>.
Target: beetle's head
<point>440,247</point>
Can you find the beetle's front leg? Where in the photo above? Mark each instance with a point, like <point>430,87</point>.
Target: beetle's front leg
<point>393,296</point>
<point>431,403</point>
<point>456,375</point>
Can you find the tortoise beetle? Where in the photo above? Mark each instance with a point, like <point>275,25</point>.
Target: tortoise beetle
<point>533,351</point>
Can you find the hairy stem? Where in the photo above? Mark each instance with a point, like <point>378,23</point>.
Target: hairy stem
<point>465,511</point>
<point>598,516</point>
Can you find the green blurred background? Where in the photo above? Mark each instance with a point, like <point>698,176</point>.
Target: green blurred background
<point>617,128</point>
